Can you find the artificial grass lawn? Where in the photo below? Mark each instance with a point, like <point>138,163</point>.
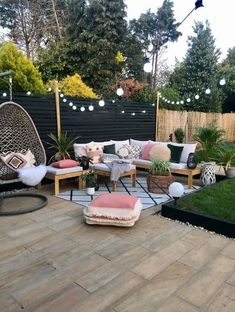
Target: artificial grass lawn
<point>217,200</point>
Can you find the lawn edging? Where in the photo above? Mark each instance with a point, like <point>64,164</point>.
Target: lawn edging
<point>209,223</point>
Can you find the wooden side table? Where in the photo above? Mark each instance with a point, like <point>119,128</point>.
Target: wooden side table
<point>56,175</point>
<point>188,172</point>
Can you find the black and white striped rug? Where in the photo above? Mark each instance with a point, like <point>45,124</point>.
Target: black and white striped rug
<point>124,185</point>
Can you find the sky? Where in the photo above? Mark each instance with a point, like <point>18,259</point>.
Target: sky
<point>220,15</point>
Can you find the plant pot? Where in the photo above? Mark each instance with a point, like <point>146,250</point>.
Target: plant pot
<point>159,184</point>
<point>90,190</point>
<point>230,172</point>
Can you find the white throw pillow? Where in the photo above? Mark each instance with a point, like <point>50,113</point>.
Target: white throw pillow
<point>80,149</point>
<point>119,144</point>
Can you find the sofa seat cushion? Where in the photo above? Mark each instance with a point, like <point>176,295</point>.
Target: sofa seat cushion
<point>104,167</point>
<point>178,165</point>
<point>148,163</point>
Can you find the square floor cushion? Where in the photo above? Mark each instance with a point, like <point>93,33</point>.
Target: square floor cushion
<point>113,209</point>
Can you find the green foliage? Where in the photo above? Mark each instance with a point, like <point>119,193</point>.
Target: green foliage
<point>173,95</point>
<point>227,71</point>
<point>25,76</point>
<point>179,135</point>
<point>154,30</point>
<point>74,86</point>
<point>94,50</point>
<point>90,178</point>
<point>225,154</point>
<point>160,167</point>
<point>62,145</point>
<point>146,95</point>
<point>216,200</point>
<point>209,137</point>
<point>199,71</point>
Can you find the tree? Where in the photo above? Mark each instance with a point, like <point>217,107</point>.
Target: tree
<point>94,49</point>
<point>227,70</point>
<point>25,76</point>
<point>32,23</point>
<point>74,86</point>
<point>199,71</point>
<point>154,31</point>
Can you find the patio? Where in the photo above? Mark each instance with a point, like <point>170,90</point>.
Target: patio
<point>50,260</point>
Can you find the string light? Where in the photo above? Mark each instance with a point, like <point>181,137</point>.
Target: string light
<point>123,112</point>
<point>101,103</point>
<point>91,108</point>
<point>148,67</point>
<point>188,100</point>
<point>133,114</point>
<point>82,109</point>
<point>74,107</point>
<point>120,91</point>
<point>71,104</point>
<point>113,101</point>
<point>4,94</point>
<point>49,89</point>
<point>222,82</point>
<point>64,100</point>
<point>197,96</point>
<point>28,93</point>
<point>144,111</point>
<point>208,91</point>
<point>61,95</point>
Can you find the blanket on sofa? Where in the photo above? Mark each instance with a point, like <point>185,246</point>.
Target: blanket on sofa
<point>117,169</point>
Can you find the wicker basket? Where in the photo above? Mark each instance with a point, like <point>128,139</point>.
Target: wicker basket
<point>159,184</point>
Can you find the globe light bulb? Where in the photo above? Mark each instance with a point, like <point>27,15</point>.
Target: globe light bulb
<point>172,102</point>
<point>181,102</point>
<point>113,101</point>
<point>176,190</point>
<point>101,103</point>
<point>222,82</point>
<point>147,67</point>
<point>177,102</point>
<point>71,104</point>
<point>61,95</point>
<point>197,96</point>
<point>4,94</point>
<point>91,108</point>
<point>208,91</point>
<point>74,107</point>
<point>82,109</point>
<point>64,100</point>
<point>144,111</point>
<point>120,91</point>
<point>28,93</point>
<point>133,114</point>
<point>49,89</point>
<point>123,112</point>
<point>153,104</point>
<point>188,100</point>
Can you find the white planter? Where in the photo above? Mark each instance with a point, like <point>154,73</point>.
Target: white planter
<point>90,190</point>
<point>230,173</point>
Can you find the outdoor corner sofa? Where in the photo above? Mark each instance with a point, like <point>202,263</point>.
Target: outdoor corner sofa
<point>178,168</point>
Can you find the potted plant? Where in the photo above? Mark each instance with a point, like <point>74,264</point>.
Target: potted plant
<point>225,156</point>
<point>209,138</point>
<point>62,145</point>
<point>179,135</point>
<point>159,177</point>
<point>90,180</point>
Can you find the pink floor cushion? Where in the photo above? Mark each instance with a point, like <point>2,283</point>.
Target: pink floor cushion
<point>113,209</point>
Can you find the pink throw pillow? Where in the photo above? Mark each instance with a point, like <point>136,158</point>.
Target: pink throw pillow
<point>146,151</point>
<point>65,163</point>
<point>119,201</point>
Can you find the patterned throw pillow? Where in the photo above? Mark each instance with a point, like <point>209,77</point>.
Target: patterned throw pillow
<point>94,153</point>
<point>108,158</point>
<point>135,151</point>
<point>124,152</point>
<point>18,160</point>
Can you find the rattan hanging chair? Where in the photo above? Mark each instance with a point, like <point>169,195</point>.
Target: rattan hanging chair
<point>18,132</point>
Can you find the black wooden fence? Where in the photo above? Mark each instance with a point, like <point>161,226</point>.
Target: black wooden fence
<point>116,120</point>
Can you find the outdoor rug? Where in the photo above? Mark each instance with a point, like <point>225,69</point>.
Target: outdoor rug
<point>124,185</point>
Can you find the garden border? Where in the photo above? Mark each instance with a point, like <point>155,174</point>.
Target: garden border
<point>210,223</point>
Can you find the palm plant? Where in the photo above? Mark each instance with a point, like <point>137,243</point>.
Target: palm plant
<point>63,145</point>
<point>209,137</point>
<point>225,155</point>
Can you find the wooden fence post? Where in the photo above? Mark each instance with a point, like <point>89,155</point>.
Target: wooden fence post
<point>57,104</point>
<point>156,121</point>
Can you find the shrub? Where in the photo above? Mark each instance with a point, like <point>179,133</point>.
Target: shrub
<point>179,135</point>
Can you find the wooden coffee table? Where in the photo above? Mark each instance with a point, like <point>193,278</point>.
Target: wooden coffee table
<point>188,172</point>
